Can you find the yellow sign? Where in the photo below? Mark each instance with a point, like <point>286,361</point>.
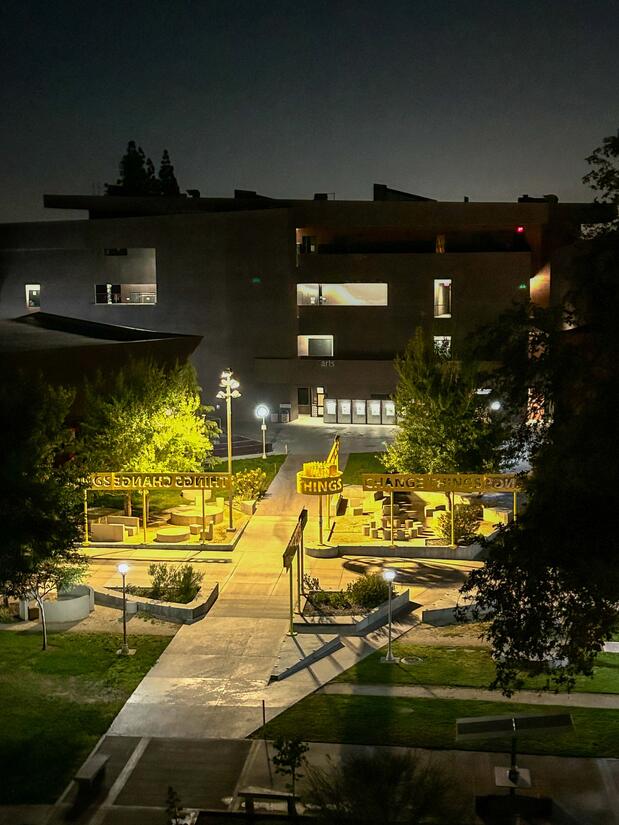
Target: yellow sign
<point>318,478</point>
<point>442,482</point>
<point>312,486</point>
<point>160,481</point>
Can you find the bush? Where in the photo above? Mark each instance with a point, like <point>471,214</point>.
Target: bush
<point>466,523</point>
<point>250,484</point>
<point>369,591</point>
<point>6,617</point>
<point>180,583</point>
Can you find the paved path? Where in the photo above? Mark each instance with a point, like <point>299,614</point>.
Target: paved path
<point>213,677</point>
<point>577,700</point>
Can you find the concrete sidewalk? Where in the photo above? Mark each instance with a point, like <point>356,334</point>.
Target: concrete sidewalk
<point>577,700</point>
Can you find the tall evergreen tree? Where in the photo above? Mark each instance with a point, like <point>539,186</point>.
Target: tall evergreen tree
<point>167,178</point>
<point>133,175</point>
<point>444,426</point>
<point>152,186</point>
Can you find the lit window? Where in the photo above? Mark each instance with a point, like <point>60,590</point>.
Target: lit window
<point>33,296</point>
<point>343,295</point>
<point>442,345</point>
<point>320,346</point>
<point>125,293</point>
<point>439,246</point>
<point>442,298</point>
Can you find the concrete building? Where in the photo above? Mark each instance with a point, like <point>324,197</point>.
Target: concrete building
<point>307,301</point>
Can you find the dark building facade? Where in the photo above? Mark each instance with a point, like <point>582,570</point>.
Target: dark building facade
<point>307,301</point>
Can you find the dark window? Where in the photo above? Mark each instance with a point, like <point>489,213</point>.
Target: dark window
<point>111,252</point>
<point>303,396</point>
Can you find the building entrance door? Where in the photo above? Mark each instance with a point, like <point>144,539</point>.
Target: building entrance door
<point>303,400</point>
<point>318,402</point>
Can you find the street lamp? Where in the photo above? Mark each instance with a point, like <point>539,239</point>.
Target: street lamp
<point>262,411</point>
<point>389,576</point>
<point>123,569</point>
<point>229,390</point>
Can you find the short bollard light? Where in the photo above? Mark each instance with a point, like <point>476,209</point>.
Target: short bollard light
<point>389,576</point>
<point>123,569</point>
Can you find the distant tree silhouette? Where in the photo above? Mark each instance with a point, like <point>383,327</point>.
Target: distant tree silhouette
<point>152,185</point>
<point>167,178</point>
<point>137,175</point>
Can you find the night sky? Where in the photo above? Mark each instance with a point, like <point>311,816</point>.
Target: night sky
<point>444,99</point>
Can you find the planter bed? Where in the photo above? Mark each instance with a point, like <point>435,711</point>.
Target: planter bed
<point>169,611</point>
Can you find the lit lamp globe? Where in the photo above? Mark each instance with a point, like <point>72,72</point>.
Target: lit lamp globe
<point>262,411</point>
<point>123,569</point>
<point>389,575</point>
<point>495,406</point>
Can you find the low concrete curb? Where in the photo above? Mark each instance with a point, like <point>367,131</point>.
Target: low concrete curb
<point>324,650</point>
<point>169,611</point>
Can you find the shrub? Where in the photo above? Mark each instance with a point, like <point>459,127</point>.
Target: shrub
<point>466,523</point>
<point>180,583</point>
<point>6,617</point>
<point>369,591</point>
<point>250,484</point>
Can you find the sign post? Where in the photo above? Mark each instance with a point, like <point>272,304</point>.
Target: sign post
<point>322,478</point>
<point>294,547</point>
<point>86,517</point>
<point>144,492</point>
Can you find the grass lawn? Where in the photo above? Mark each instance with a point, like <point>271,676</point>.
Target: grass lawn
<point>430,723</point>
<point>54,705</point>
<point>359,463</point>
<point>270,465</point>
<point>463,667</point>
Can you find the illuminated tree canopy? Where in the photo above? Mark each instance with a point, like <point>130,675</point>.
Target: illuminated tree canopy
<point>149,419</point>
<point>444,425</point>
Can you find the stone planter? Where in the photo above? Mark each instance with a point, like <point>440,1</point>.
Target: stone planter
<point>168,611</point>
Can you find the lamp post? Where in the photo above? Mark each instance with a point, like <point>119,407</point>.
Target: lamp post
<point>389,576</point>
<point>123,569</point>
<point>229,390</point>
<point>262,411</point>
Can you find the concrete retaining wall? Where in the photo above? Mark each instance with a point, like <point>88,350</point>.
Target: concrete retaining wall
<point>71,605</point>
<point>443,616</point>
<point>169,611</point>
<point>376,618</point>
<point>400,551</point>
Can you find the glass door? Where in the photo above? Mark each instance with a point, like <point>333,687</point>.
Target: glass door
<point>318,402</point>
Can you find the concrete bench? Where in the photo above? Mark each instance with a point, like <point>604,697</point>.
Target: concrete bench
<point>173,534</point>
<point>107,532</point>
<point>91,771</point>
<point>249,795</point>
<point>131,523</point>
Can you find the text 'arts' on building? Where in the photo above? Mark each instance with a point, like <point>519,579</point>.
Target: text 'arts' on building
<point>308,301</point>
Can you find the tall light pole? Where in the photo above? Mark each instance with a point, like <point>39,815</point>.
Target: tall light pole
<point>123,569</point>
<point>229,390</point>
<point>389,576</point>
<point>262,411</point>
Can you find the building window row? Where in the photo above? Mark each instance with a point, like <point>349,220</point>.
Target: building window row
<point>343,295</point>
<point>126,294</point>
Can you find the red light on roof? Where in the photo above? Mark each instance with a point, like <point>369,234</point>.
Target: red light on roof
<point>520,229</point>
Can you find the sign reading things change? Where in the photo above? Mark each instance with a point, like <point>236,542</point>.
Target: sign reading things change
<point>160,481</point>
<point>442,482</point>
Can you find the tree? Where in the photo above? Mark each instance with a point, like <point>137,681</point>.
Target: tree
<point>167,180</point>
<point>289,757</point>
<point>49,575</point>
<point>147,418</point>
<point>385,787</point>
<point>444,425</point>
<point>41,501</point>
<point>604,174</point>
<point>551,581</point>
<point>133,174</point>
<point>151,185</point>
